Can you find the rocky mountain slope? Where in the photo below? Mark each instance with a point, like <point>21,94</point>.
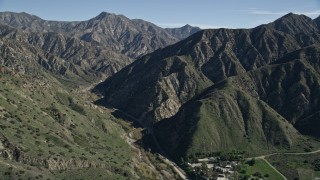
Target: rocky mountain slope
<point>46,129</point>
<point>49,126</point>
<point>51,131</point>
<point>59,53</point>
<point>133,38</point>
<point>295,24</point>
<point>290,86</point>
<point>155,86</point>
<point>256,111</point>
<point>317,21</point>
<point>30,22</point>
<point>247,90</point>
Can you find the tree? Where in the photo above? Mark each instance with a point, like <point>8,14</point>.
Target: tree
<point>204,166</point>
<point>251,162</point>
<point>316,165</point>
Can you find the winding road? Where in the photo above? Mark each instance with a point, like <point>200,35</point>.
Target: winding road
<point>164,158</point>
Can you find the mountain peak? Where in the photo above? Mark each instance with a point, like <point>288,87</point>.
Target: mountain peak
<point>290,14</point>
<point>294,23</point>
<point>187,26</point>
<point>103,14</point>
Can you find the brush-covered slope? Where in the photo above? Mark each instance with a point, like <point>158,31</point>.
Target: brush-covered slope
<point>48,132</point>
<point>226,119</point>
<point>49,127</point>
<point>133,38</point>
<point>156,85</point>
<point>255,112</point>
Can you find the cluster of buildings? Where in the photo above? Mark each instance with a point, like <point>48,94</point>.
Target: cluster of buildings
<point>214,168</point>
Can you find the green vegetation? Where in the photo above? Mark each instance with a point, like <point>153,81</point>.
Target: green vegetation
<point>54,132</point>
<point>65,99</point>
<point>224,119</point>
<point>297,166</point>
<point>258,169</point>
<point>50,129</point>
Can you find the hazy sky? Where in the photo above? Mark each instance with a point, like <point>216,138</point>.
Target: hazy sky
<point>170,13</point>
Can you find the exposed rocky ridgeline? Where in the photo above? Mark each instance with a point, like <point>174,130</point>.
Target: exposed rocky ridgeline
<point>301,27</point>
<point>254,112</point>
<point>30,22</point>
<point>133,38</point>
<point>295,24</point>
<point>183,32</point>
<point>317,21</point>
<point>57,53</point>
<point>291,86</point>
<point>155,86</point>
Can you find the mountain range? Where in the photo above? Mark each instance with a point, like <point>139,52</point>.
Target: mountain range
<point>133,38</point>
<point>195,92</point>
<point>49,127</point>
<point>256,89</point>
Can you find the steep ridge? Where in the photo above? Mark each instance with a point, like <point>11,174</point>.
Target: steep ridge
<point>155,86</point>
<point>291,86</point>
<point>225,119</point>
<point>149,90</point>
<point>49,127</point>
<point>183,32</point>
<point>254,112</point>
<point>50,132</point>
<point>59,49</point>
<point>294,24</point>
<point>34,23</point>
<point>133,38</point>
<point>303,28</point>
<point>317,21</point>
